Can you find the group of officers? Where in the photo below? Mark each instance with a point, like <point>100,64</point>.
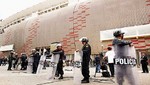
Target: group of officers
<point>118,44</point>
<point>14,61</point>
<point>121,49</point>
<point>36,57</point>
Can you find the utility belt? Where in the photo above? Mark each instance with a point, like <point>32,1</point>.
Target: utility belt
<point>125,61</point>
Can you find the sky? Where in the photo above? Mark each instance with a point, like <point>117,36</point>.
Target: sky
<point>10,7</point>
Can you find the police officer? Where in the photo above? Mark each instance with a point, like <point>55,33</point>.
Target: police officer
<point>23,61</point>
<point>144,63</point>
<point>36,58</point>
<point>59,51</point>
<point>10,59</point>
<point>86,49</point>
<point>16,61</point>
<point>121,51</point>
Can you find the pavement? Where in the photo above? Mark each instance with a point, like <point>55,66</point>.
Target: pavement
<point>17,77</point>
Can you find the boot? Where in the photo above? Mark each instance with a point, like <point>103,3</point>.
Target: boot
<point>85,81</point>
<point>61,77</point>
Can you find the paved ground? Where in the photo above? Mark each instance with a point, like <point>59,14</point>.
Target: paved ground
<point>23,78</point>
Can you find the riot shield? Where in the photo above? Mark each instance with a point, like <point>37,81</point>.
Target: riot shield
<point>30,65</point>
<point>53,66</point>
<point>125,55</point>
<point>77,68</point>
<point>41,62</point>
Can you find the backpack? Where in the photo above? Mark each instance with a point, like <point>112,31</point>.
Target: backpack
<point>105,73</point>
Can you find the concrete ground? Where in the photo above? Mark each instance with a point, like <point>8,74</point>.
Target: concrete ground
<point>17,77</point>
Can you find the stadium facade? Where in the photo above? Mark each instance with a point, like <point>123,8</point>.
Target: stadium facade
<point>66,21</point>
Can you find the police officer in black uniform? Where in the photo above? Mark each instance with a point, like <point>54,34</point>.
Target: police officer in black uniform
<point>59,51</point>
<point>144,63</point>
<point>86,49</point>
<point>10,59</point>
<point>36,58</point>
<point>16,61</point>
<point>23,60</point>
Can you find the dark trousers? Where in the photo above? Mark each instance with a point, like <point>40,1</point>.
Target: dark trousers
<point>44,66</point>
<point>85,69</point>
<point>111,67</point>
<point>23,66</point>
<point>0,62</point>
<point>14,65</point>
<point>145,68</point>
<point>35,66</point>
<point>9,65</point>
<point>60,68</point>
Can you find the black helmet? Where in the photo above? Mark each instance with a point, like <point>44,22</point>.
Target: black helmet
<point>84,39</point>
<point>118,33</point>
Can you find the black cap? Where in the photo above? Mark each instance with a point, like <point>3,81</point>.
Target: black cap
<point>118,33</point>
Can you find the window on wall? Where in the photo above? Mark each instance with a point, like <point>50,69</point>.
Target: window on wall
<point>7,25</point>
<point>57,7</point>
<point>62,6</point>
<point>40,12</point>
<point>49,10</point>
<point>45,11</point>
<point>19,21</point>
<point>14,22</point>
<point>53,9</point>
<point>22,19</point>
<point>1,31</point>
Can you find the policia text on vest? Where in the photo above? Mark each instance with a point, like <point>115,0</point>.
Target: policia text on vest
<point>125,61</point>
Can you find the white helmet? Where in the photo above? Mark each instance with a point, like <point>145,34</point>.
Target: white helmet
<point>84,39</point>
<point>33,50</point>
<point>59,45</point>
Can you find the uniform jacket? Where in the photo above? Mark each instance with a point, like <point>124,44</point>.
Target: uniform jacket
<point>86,49</point>
<point>120,48</point>
<point>61,52</point>
<point>144,60</point>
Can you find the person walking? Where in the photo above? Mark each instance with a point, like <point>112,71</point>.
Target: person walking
<point>144,63</point>
<point>97,62</point>
<point>110,56</point>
